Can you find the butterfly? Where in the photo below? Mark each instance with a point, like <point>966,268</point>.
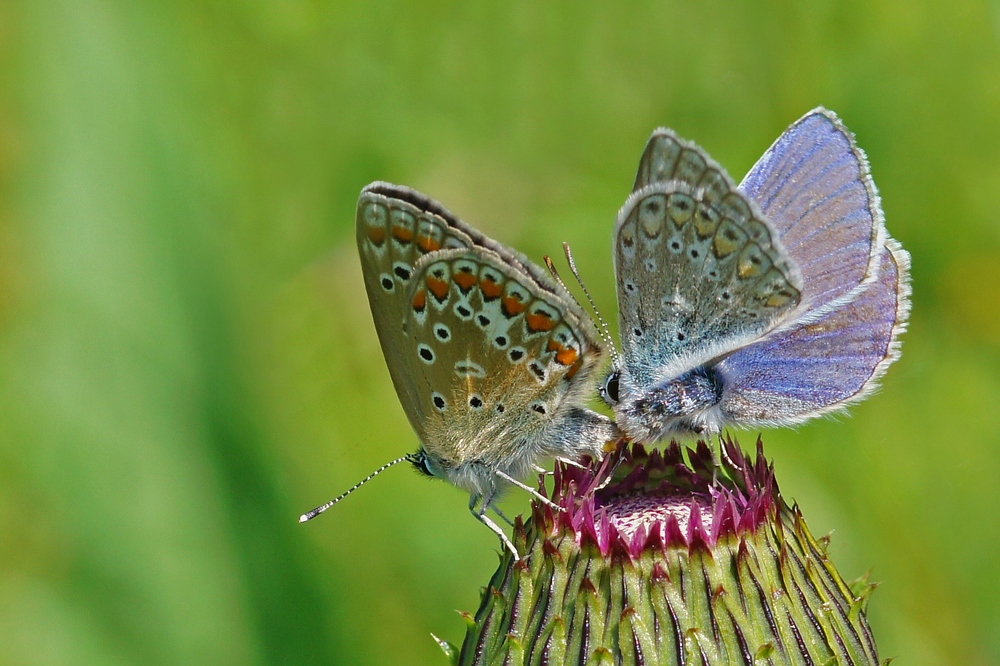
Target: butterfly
<point>765,304</point>
<point>491,358</point>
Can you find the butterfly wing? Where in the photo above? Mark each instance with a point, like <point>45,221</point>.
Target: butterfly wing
<point>493,371</point>
<point>825,365</point>
<point>815,187</point>
<point>700,270</point>
<point>400,213</point>
<point>499,363</point>
<point>396,226</point>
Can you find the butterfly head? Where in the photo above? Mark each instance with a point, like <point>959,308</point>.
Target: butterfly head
<point>473,476</point>
<point>425,464</point>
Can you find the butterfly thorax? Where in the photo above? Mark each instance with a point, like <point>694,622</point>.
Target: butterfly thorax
<point>687,404</point>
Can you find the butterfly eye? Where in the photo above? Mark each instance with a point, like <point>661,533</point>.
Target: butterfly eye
<point>420,463</point>
<point>610,388</point>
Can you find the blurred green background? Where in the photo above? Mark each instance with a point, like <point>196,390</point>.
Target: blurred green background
<point>187,360</point>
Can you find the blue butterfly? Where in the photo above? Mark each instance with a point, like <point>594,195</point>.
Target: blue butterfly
<point>765,304</point>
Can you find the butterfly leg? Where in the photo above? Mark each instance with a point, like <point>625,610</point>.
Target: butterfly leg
<point>481,516</point>
<point>610,472</point>
<point>523,486</point>
<point>497,511</point>
<point>708,432</point>
<point>571,463</point>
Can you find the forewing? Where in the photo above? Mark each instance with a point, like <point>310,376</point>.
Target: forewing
<point>395,227</point>
<point>493,356</point>
<point>815,187</point>
<point>825,365</point>
<point>699,269</point>
<point>444,229</point>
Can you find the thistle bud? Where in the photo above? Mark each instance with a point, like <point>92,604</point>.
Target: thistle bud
<point>676,559</point>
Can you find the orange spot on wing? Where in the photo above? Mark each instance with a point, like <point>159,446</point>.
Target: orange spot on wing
<point>420,300</point>
<point>538,321</point>
<point>402,234</point>
<point>376,235</point>
<point>574,369</point>
<point>438,287</point>
<point>464,280</point>
<point>513,307</point>
<point>490,289</point>
<point>428,243</point>
<point>567,356</point>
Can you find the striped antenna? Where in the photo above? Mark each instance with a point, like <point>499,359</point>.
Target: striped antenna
<point>306,517</point>
<point>606,332</point>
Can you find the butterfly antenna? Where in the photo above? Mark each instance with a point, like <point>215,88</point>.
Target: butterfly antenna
<point>555,274</point>
<point>605,331</point>
<point>558,278</point>
<point>306,517</point>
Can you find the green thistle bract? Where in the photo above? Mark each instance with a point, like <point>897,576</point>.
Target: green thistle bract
<point>674,561</point>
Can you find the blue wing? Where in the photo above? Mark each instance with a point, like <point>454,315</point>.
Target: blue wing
<point>825,365</point>
<point>815,188</point>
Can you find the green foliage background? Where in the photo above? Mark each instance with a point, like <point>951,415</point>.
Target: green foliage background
<point>187,360</point>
